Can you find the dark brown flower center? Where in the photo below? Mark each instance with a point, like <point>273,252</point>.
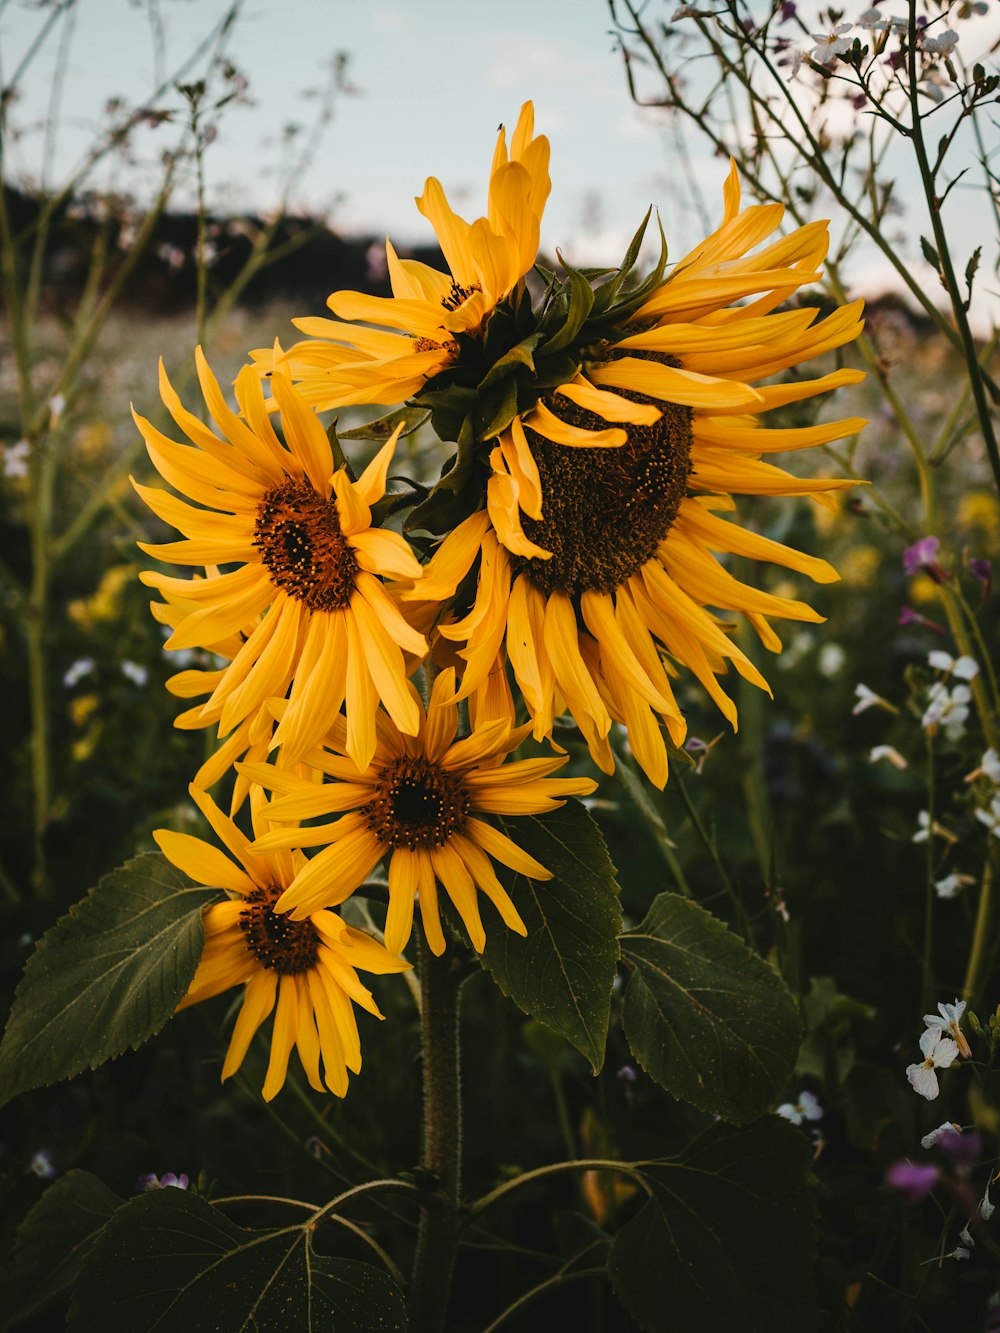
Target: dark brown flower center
<point>416,804</point>
<point>605,511</point>
<point>300,542</point>
<point>281,944</point>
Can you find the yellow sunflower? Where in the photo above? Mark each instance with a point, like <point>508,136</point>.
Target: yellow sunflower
<point>306,971</point>
<point>414,338</point>
<point>597,562</point>
<point>302,591</point>
<point>420,804</point>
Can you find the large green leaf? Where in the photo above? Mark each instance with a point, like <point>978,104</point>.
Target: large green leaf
<point>725,1243</point>
<point>52,1243</point>
<point>563,970</point>
<point>106,977</point>
<point>411,418</point>
<point>704,1015</point>
<point>170,1261</point>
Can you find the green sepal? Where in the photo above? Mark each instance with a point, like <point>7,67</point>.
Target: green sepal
<point>457,494</point>
<point>580,301</point>
<point>521,354</point>
<point>641,294</point>
<point>496,411</point>
<point>449,409</point>
<point>553,371</point>
<point>605,295</point>
<point>339,457</point>
<point>412,418</point>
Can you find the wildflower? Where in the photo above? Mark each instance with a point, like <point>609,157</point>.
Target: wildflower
<point>943,43</point>
<point>948,1019</point>
<point>306,971</point>
<point>935,1136</point>
<point>964,1149</point>
<point>951,885</point>
<point>925,829</point>
<point>912,1181</point>
<point>627,1074</point>
<point>806,1108</point>
<point>608,459</point>
<point>989,768</point>
<point>867,698</point>
<point>962,668</point>
<point>831,660</point>
<point>887,752</point>
<point>829,44</point>
<point>151,1181</point>
<point>57,406</point>
<point>921,555</point>
<point>788,11</point>
<point>947,709</point>
<point>74,673</point>
<point>15,459</point>
<point>420,804</point>
<point>305,556</point>
<point>134,672</point>
<point>939,1053</point>
<point>42,1165</point>
<point>908,616</point>
<point>986,1206</point>
<point>991,817</point>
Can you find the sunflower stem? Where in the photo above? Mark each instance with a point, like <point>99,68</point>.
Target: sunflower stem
<point>441,1157</point>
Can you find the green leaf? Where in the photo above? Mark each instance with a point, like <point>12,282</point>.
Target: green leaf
<point>930,254</point>
<point>169,1260</point>
<point>52,1243</point>
<point>563,970</point>
<point>106,977</point>
<point>521,355</point>
<point>725,1243</point>
<point>411,418</point>
<point>605,295</point>
<point>705,1016</point>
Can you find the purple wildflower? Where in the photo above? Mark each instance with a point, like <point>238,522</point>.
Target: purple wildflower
<point>151,1181</point>
<point>963,1149</point>
<point>627,1074</point>
<point>788,11</point>
<point>921,555</point>
<point>42,1165</point>
<point>913,1182</point>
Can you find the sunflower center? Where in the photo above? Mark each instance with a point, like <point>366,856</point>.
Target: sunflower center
<point>416,804</point>
<point>300,542</point>
<point>605,511</point>
<point>281,944</point>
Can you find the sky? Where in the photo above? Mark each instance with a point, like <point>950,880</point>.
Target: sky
<point>433,81</point>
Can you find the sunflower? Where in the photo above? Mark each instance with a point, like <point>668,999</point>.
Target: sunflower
<point>306,971</point>
<point>301,601</point>
<point>417,329</point>
<point>419,804</point>
<point>597,547</point>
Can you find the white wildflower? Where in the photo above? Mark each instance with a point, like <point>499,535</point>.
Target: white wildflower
<point>829,44</point>
<point>83,666</point>
<point>952,885</point>
<point>949,1019</point>
<point>831,660</point>
<point>936,1135</point>
<point>806,1108</point>
<point>991,817</point>
<point>962,668</point>
<point>987,1208</point>
<point>57,406</point>
<point>947,709</point>
<point>939,1053</point>
<point>15,459</point>
<point>887,752</point>
<point>868,699</point>
<point>943,43</point>
<point>135,672</point>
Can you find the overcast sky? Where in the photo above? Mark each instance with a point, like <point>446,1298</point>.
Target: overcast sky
<point>434,78</point>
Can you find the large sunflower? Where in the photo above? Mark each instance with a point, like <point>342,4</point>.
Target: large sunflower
<point>306,971</point>
<point>597,547</point>
<point>420,804</point>
<point>418,327</point>
<point>302,588</point>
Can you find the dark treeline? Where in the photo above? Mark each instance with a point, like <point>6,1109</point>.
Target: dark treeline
<point>310,260</point>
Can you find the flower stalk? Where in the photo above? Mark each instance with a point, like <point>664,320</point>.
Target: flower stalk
<point>441,1155</point>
